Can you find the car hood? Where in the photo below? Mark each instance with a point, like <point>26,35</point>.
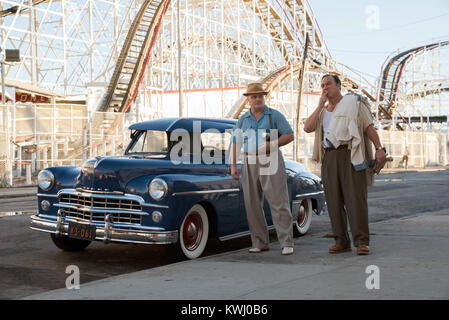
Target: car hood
<point>114,173</point>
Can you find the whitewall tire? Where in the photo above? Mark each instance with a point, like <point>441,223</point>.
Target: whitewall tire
<point>304,218</point>
<point>194,232</point>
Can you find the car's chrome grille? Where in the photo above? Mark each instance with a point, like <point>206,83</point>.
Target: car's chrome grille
<point>99,217</point>
<point>84,208</point>
<point>103,203</point>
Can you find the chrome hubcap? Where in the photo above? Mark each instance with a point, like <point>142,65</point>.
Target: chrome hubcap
<point>302,214</point>
<point>192,232</point>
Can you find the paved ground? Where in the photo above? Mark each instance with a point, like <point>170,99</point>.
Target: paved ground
<point>410,255</point>
<point>17,192</point>
<point>31,264</point>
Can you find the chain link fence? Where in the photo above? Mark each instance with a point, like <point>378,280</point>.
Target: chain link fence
<point>33,137</point>
<point>426,149</point>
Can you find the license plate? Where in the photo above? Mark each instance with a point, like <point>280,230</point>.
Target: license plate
<point>82,231</point>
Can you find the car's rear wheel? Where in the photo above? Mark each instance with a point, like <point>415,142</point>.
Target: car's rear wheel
<point>69,244</point>
<point>304,218</point>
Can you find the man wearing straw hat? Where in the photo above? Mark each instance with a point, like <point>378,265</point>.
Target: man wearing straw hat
<point>258,180</point>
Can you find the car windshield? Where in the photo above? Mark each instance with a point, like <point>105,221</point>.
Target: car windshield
<point>150,141</point>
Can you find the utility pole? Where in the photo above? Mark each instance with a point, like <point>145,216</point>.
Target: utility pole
<point>302,72</point>
<point>179,60</point>
<point>3,83</point>
<point>10,55</point>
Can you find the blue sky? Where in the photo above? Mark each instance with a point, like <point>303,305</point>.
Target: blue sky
<point>356,38</point>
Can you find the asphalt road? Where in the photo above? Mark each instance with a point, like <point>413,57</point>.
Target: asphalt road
<point>30,263</point>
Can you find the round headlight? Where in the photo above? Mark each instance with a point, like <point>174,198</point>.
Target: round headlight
<point>158,189</point>
<point>45,179</point>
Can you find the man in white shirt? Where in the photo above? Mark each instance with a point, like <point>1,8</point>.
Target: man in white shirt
<point>345,185</point>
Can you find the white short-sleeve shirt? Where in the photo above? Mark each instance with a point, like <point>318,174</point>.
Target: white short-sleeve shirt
<point>327,118</point>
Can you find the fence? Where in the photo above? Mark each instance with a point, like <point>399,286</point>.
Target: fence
<point>426,149</point>
<point>33,137</point>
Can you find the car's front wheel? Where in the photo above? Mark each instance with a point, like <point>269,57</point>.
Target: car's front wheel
<point>69,244</point>
<point>304,218</point>
<point>193,233</point>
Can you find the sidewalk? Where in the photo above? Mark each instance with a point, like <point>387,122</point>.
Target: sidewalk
<point>410,253</point>
<point>17,192</point>
<point>411,169</point>
<point>399,170</point>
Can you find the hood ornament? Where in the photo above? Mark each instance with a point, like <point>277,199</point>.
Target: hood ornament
<point>98,158</point>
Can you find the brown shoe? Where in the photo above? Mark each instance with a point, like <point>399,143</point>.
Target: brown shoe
<point>338,248</point>
<point>362,250</point>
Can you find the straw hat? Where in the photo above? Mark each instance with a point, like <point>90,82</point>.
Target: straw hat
<point>255,88</point>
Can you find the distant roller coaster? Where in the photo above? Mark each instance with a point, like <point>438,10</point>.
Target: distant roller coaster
<point>103,64</point>
<point>415,85</point>
<point>129,49</point>
<point>127,52</point>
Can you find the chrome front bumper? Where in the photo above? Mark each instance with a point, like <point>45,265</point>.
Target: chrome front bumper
<point>107,232</point>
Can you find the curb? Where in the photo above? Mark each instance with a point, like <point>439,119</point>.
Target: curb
<point>17,195</point>
<point>400,170</point>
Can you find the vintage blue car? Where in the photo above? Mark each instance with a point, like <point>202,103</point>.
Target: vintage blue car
<point>159,193</point>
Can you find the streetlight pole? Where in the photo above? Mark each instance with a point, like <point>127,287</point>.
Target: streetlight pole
<point>8,56</point>
<point>3,82</point>
<point>6,126</point>
<point>179,60</point>
<point>302,73</point>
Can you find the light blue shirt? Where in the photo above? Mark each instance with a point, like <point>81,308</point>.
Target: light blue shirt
<point>251,132</point>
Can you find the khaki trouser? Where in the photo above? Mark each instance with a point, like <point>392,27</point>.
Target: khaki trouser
<point>274,187</point>
<point>346,195</point>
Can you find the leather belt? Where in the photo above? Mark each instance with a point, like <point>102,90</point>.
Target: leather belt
<point>343,146</point>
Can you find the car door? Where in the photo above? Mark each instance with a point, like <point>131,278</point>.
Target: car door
<point>228,202</point>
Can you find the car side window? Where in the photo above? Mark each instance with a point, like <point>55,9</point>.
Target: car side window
<point>150,141</point>
<point>138,145</point>
<point>156,141</point>
<point>217,142</point>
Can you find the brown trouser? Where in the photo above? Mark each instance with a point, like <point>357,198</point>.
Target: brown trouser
<point>346,192</point>
<point>274,187</point>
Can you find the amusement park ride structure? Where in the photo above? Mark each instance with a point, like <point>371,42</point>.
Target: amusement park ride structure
<point>132,59</point>
<point>131,49</point>
<point>71,47</point>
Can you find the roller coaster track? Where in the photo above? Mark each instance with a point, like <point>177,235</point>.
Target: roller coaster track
<point>272,81</point>
<point>277,26</point>
<point>392,72</point>
<point>281,22</point>
<point>130,65</point>
<point>18,9</point>
<point>422,94</point>
<point>246,53</point>
<point>242,104</point>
